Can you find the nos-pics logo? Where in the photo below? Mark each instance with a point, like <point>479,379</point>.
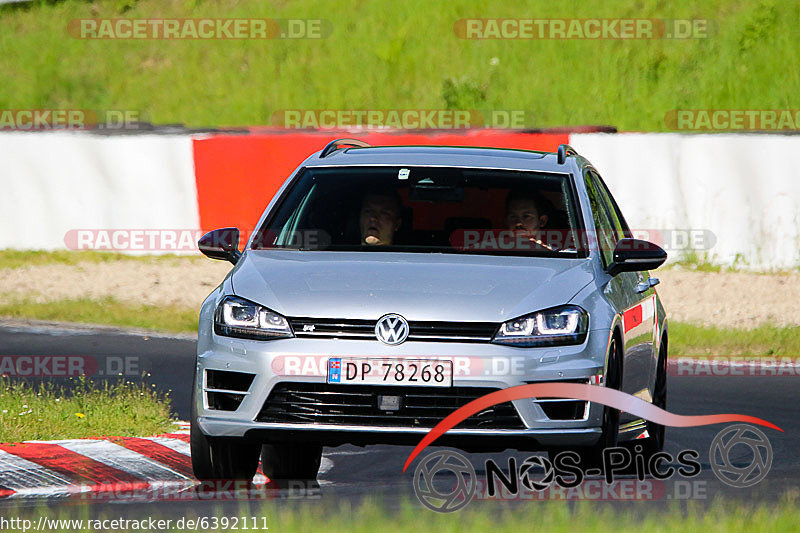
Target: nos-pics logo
<point>457,483</point>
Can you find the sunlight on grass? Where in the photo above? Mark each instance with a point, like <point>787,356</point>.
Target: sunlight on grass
<point>402,55</point>
<point>374,514</point>
<point>105,311</point>
<point>80,408</point>
<point>10,258</point>
<point>688,339</point>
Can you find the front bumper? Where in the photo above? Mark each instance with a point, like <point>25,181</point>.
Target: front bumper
<point>475,365</point>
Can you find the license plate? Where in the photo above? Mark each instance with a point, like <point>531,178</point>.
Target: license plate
<point>408,372</point>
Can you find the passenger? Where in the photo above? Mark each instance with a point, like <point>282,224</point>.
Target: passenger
<point>380,217</point>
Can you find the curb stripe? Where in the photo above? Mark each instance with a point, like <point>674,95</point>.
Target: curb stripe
<point>114,468</point>
<point>76,467</point>
<point>18,474</point>
<point>176,436</point>
<point>127,460</point>
<point>94,469</point>
<point>180,443</point>
<point>176,461</point>
<point>177,445</point>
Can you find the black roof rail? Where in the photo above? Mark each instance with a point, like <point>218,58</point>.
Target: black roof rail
<point>563,151</point>
<point>334,145</point>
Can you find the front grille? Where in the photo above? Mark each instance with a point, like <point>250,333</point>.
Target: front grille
<point>334,328</point>
<point>357,405</point>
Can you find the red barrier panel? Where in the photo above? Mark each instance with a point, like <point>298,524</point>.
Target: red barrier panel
<point>237,175</point>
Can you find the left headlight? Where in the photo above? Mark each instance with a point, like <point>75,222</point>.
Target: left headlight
<point>558,326</point>
<point>237,317</point>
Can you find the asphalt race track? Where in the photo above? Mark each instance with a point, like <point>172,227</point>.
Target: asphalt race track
<point>354,473</point>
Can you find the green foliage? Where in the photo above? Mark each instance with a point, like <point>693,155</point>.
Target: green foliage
<point>402,55</point>
<point>105,311</point>
<point>80,409</point>
<point>11,258</point>
<point>764,340</point>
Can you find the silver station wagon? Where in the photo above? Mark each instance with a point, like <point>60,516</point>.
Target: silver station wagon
<point>385,287</point>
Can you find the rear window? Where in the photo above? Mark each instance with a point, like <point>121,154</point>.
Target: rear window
<point>425,209</point>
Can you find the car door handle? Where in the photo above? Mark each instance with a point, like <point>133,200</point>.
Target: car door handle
<point>644,285</point>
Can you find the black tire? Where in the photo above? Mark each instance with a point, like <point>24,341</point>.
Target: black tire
<point>291,461</point>
<point>658,432</point>
<point>592,456</point>
<point>215,458</point>
<point>654,443</point>
<point>201,452</point>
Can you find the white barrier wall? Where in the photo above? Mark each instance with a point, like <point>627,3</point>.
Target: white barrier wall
<point>743,188</point>
<point>55,182</point>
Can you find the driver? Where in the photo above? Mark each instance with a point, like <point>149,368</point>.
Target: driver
<point>380,217</point>
<point>527,214</point>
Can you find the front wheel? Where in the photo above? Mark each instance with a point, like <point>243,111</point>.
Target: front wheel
<point>215,458</point>
<point>656,433</point>
<point>291,461</point>
<point>592,456</point>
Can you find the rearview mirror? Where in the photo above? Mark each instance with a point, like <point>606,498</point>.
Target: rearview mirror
<point>221,244</point>
<point>635,255</point>
<point>441,186</point>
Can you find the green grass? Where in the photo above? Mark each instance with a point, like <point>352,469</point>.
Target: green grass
<point>105,311</point>
<point>540,516</point>
<point>688,339</point>
<point>692,261</point>
<point>704,263</point>
<point>402,55</point>
<point>10,258</point>
<point>88,409</point>
<point>556,517</point>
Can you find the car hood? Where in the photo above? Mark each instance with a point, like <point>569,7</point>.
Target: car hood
<point>438,287</point>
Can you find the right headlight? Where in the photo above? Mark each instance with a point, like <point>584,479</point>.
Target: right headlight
<point>567,324</point>
<point>237,317</point>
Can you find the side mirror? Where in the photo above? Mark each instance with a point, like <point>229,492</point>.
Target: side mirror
<point>634,255</point>
<point>221,244</point>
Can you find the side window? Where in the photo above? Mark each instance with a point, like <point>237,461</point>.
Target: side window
<point>616,214</point>
<point>608,233</point>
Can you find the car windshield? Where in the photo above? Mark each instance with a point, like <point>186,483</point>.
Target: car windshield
<point>425,209</point>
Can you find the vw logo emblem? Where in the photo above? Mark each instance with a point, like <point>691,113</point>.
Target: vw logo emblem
<point>391,329</point>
